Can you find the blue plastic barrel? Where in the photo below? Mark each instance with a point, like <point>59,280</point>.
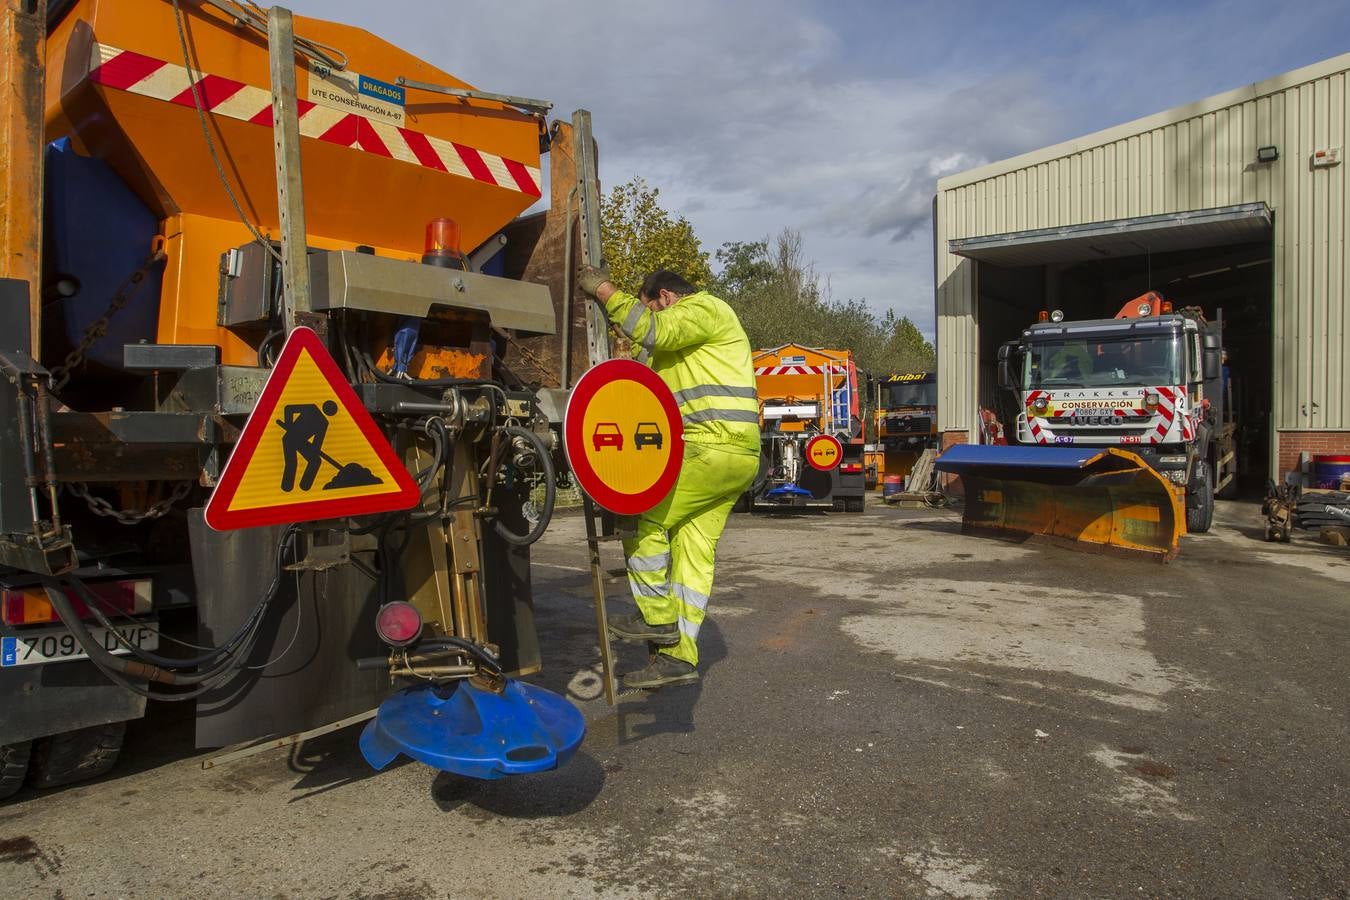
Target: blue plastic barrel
<point>1328,469</point>
<point>98,234</point>
<point>892,485</point>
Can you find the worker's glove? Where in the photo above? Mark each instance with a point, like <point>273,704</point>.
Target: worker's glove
<point>590,278</point>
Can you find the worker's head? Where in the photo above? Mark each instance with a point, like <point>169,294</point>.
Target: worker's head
<point>663,289</point>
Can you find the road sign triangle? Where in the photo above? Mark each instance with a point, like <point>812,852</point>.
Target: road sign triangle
<point>309,450</point>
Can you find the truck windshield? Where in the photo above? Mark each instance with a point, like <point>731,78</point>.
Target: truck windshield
<point>1093,361</point>
<point>911,394</point>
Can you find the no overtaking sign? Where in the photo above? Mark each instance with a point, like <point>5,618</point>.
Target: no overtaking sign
<point>623,436</point>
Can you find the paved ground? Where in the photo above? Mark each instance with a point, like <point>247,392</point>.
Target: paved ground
<point>888,709</point>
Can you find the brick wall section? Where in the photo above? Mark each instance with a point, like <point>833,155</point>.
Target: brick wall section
<point>1292,443</point>
<point>948,482</point>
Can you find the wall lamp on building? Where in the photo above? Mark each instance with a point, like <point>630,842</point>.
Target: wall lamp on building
<point>1267,154</point>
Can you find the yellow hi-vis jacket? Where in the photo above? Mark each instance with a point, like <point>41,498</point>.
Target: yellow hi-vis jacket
<point>701,352</point>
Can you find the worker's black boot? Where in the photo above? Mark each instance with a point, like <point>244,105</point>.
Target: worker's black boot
<point>663,670</point>
<point>635,628</point>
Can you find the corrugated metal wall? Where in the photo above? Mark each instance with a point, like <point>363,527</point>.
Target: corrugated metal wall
<point>1196,157</point>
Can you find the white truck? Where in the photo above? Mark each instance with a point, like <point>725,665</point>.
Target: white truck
<point>1151,380</point>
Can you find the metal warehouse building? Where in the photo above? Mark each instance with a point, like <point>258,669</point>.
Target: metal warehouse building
<point>1234,203</point>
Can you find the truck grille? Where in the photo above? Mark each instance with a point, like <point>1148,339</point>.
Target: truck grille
<point>914,425</point>
<point>1095,432</point>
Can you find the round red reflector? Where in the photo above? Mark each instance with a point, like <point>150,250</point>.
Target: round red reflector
<point>398,623</point>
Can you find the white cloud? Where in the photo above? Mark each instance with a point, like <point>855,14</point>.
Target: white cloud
<point>837,119</point>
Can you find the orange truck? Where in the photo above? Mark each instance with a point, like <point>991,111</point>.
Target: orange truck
<point>906,422</point>
<point>160,245</point>
<point>811,434</point>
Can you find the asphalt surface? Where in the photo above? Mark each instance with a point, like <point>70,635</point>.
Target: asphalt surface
<point>887,708</point>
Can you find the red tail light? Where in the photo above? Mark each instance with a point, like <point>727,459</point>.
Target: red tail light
<point>30,606</point>
<point>848,468</point>
<point>398,623</point>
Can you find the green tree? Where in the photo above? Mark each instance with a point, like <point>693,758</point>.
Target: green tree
<point>779,299</point>
<point>638,236</point>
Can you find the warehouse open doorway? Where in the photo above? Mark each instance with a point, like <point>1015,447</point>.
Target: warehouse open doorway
<point>1218,260</point>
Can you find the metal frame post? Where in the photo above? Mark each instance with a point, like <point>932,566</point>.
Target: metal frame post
<point>23,50</point>
<point>290,188</point>
<point>588,221</point>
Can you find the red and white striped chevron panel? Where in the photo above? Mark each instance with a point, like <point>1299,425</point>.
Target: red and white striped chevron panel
<point>135,73</point>
<point>1169,399</point>
<point>837,369</point>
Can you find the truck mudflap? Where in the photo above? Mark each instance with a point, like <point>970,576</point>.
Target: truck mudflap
<point>1100,499</point>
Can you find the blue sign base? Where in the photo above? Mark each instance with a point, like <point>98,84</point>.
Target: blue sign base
<point>467,730</point>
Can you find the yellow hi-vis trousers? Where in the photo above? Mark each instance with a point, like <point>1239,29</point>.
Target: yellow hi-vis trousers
<point>670,562</point>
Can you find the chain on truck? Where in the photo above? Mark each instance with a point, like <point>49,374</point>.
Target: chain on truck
<point>162,246</point>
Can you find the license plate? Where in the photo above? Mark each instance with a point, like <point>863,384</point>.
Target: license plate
<point>59,645</point>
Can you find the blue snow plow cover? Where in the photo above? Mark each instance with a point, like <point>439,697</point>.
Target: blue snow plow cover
<point>959,458</point>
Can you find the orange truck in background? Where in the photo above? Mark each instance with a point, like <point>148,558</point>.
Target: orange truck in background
<point>906,422</point>
<point>811,434</point>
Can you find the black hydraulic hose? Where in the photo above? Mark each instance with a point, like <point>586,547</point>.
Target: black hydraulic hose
<point>218,660</point>
<point>550,491</point>
<point>241,637</point>
<point>265,344</point>
<point>487,659</point>
<point>170,665</point>
<point>439,443</point>
<point>118,670</point>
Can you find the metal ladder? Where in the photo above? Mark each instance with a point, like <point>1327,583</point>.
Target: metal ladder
<point>601,525</point>
<point>841,400</point>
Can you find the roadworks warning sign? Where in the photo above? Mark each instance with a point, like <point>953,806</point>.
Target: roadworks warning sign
<point>309,451</point>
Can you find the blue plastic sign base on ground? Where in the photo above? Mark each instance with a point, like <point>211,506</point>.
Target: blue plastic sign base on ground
<point>467,730</point>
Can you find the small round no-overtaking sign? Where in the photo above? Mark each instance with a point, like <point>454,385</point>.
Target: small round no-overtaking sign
<point>824,452</point>
<point>623,436</point>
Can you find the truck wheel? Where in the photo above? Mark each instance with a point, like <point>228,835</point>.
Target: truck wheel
<point>742,504</point>
<point>13,766</point>
<point>854,504</point>
<point>1200,503</point>
<point>77,755</point>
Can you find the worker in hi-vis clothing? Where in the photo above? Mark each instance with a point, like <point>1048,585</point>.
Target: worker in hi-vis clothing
<point>696,344</point>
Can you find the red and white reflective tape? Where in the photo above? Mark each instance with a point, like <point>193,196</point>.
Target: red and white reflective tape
<point>1167,399</point>
<point>1037,433</point>
<point>135,73</point>
<point>796,370</point>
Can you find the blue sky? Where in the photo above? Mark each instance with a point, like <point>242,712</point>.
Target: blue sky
<point>836,119</point>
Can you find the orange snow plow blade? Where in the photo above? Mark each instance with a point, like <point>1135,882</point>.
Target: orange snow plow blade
<point>1099,499</point>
